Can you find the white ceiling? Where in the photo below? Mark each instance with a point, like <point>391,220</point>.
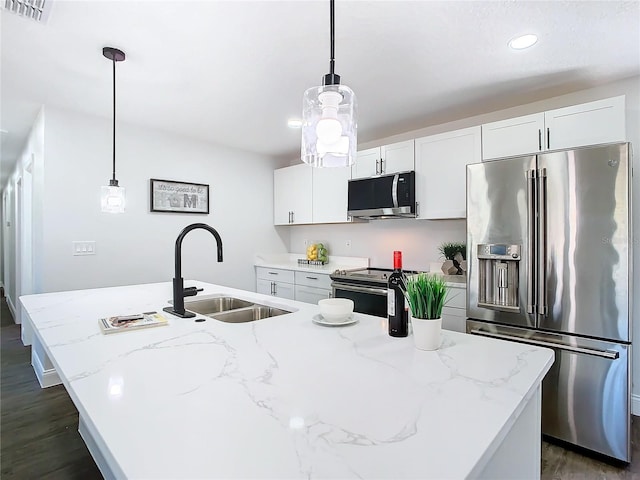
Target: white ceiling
<point>233,72</point>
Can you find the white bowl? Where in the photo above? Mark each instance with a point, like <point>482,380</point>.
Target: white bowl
<point>335,309</point>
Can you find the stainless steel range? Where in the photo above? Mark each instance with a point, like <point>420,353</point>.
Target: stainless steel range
<point>366,287</point>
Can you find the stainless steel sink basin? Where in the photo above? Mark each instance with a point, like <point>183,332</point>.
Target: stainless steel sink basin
<point>257,312</point>
<point>209,306</point>
<point>232,310</point>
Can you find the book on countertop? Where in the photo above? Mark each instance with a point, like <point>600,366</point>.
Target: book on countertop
<point>125,323</point>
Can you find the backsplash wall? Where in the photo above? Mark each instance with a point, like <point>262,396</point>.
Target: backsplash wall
<point>377,239</point>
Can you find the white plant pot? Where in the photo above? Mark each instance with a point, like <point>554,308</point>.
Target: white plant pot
<point>426,333</point>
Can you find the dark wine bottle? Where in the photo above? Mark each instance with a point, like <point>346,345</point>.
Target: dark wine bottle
<point>398,317</point>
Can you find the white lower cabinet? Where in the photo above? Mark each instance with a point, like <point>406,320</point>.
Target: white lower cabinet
<point>311,294</point>
<point>454,312</point>
<point>306,287</point>
<point>276,282</point>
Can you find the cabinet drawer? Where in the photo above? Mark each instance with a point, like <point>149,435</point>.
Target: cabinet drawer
<point>451,320</point>
<point>320,280</point>
<point>275,274</point>
<point>457,298</point>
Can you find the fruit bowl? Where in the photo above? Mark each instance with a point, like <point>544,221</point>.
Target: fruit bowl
<point>335,309</point>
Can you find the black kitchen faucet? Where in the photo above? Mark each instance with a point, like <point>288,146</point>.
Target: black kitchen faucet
<point>179,292</point>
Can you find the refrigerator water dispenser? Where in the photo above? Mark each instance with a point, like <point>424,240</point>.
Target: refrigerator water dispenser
<point>498,276</point>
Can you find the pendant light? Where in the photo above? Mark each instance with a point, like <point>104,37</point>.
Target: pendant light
<point>329,129</point>
<point>112,198</point>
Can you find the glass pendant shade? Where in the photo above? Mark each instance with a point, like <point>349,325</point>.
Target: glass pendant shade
<point>329,128</point>
<point>112,199</point>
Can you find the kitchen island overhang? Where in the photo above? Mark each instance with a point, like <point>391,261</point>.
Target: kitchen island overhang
<point>283,397</point>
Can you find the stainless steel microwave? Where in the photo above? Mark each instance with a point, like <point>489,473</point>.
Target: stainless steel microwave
<point>386,196</point>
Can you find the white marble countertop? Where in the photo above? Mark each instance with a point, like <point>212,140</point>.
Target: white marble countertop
<point>281,397</point>
<point>289,261</point>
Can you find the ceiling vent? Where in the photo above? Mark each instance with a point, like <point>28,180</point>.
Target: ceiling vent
<point>37,10</point>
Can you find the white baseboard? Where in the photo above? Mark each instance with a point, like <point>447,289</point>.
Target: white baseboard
<point>635,405</point>
<point>46,378</point>
<point>12,308</point>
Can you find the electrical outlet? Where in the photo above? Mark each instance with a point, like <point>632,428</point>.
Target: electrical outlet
<point>348,243</point>
<point>84,247</point>
<point>306,243</point>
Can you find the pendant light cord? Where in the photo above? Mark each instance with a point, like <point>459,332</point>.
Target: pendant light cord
<point>114,121</point>
<point>332,26</point>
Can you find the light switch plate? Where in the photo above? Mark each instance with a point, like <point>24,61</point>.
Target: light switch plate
<point>85,247</point>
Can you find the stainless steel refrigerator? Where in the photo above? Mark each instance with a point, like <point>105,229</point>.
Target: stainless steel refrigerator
<point>549,263</point>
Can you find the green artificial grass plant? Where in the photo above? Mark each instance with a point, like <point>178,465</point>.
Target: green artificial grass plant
<point>426,295</point>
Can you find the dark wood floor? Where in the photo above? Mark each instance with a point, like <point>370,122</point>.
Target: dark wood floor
<point>39,436</point>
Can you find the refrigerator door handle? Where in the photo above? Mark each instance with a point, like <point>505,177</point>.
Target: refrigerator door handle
<point>541,253</point>
<point>610,354</point>
<point>531,219</point>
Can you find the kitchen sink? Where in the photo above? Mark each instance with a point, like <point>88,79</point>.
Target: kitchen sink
<point>209,306</point>
<point>232,310</point>
<point>256,312</point>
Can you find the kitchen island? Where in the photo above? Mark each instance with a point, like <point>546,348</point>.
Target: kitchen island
<point>283,397</point>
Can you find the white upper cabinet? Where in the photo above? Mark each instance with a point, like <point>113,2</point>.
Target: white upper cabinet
<point>367,163</point>
<point>590,123</point>
<point>329,194</point>
<point>602,121</point>
<point>392,158</point>
<point>441,172</point>
<point>514,136</point>
<point>304,195</point>
<point>292,195</point>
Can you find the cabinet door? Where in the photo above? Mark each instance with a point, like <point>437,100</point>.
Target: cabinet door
<point>367,163</point>
<point>398,157</point>
<point>602,121</point>
<point>264,286</point>
<point>311,294</point>
<point>330,195</point>
<point>514,136</point>
<point>284,290</point>
<point>454,319</point>
<point>292,195</point>
<point>441,162</point>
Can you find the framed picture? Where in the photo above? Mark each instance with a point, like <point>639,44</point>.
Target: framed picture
<point>179,197</point>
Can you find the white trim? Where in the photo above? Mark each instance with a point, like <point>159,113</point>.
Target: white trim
<point>46,378</point>
<point>12,308</point>
<point>635,405</point>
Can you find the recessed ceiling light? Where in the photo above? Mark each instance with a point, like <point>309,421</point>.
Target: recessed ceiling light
<point>523,41</point>
<point>294,123</point>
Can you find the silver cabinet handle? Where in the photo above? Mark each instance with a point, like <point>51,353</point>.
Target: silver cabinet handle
<point>293,217</point>
<point>381,167</point>
<point>354,288</point>
<point>377,171</point>
<point>312,278</point>
<point>417,209</point>
<point>610,354</point>
<point>548,139</point>
<point>539,139</point>
<point>273,273</point>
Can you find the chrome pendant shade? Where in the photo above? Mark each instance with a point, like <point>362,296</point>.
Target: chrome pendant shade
<point>329,127</point>
<point>113,195</point>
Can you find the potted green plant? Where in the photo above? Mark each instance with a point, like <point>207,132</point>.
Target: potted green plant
<point>426,294</point>
<point>455,254</point>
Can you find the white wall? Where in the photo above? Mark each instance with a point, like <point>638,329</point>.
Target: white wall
<point>138,246</point>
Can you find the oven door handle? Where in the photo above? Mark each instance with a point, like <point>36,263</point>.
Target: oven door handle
<point>355,288</point>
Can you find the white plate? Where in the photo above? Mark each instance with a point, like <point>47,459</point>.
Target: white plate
<point>320,320</point>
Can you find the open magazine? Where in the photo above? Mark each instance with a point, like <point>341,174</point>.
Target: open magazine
<point>125,323</point>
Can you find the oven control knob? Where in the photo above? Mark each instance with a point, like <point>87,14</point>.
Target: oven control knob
<point>343,272</point>
<point>514,255</point>
<point>384,276</point>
